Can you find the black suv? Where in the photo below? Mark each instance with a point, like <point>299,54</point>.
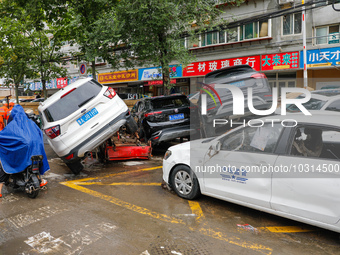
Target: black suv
<point>220,99</point>
<point>163,118</point>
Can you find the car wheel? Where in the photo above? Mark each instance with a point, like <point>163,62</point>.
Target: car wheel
<point>184,182</point>
<point>75,167</point>
<point>101,153</point>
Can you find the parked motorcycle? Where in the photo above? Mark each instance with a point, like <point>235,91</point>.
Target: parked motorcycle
<point>29,180</point>
<point>22,155</point>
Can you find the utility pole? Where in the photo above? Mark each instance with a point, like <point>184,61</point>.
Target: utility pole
<point>305,83</point>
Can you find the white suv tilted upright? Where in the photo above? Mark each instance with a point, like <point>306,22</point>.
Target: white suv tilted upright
<point>82,116</point>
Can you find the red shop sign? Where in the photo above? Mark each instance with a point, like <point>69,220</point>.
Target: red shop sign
<point>159,82</point>
<point>287,60</point>
<point>61,82</point>
<point>204,67</point>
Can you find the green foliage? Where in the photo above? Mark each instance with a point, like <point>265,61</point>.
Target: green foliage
<point>15,47</point>
<point>125,33</point>
<point>28,27</point>
<point>154,30</point>
<point>93,29</point>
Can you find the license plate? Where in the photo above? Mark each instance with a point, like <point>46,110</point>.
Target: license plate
<point>176,116</point>
<point>87,116</point>
<point>238,83</point>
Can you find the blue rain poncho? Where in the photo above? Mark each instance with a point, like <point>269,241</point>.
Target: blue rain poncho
<point>20,140</point>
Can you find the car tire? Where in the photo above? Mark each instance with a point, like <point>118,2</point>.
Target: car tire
<point>75,167</point>
<point>184,182</point>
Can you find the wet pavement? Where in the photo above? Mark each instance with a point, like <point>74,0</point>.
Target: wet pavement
<point>121,208</point>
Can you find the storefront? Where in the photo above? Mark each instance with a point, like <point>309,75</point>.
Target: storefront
<point>197,70</point>
<point>125,83</point>
<point>153,83</point>
<point>323,68</point>
<point>280,68</point>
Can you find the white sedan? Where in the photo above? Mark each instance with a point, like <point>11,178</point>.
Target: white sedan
<point>288,167</point>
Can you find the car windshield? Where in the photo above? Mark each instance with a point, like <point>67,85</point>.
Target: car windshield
<point>312,104</point>
<point>72,101</point>
<point>328,93</point>
<point>222,74</point>
<point>163,103</point>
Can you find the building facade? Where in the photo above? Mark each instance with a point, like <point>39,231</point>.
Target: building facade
<point>267,35</point>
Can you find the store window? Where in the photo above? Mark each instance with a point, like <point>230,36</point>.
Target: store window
<point>291,24</point>
<point>281,80</point>
<point>327,34</point>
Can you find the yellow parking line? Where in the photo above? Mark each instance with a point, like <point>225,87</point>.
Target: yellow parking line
<point>122,184</point>
<point>124,204</point>
<point>81,181</point>
<point>235,240</point>
<point>287,229</point>
<point>195,207</point>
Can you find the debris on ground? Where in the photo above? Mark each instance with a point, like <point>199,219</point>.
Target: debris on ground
<point>248,228</point>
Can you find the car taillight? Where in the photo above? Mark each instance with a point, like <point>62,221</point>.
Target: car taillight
<point>151,113</point>
<point>209,86</point>
<point>259,76</point>
<point>110,93</point>
<point>69,156</point>
<point>53,132</point>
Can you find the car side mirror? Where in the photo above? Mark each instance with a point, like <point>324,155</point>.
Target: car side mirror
<point>214,149</point>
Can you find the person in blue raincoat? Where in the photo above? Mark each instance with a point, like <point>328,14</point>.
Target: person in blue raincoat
<point>20,140</point>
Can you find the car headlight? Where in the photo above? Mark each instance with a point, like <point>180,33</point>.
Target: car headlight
<point>167,154</point>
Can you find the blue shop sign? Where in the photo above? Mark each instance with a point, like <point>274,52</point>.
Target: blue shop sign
<point>321,57</point>
<point>154,73</point>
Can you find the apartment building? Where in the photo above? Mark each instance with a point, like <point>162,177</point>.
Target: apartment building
<point>265,34</point>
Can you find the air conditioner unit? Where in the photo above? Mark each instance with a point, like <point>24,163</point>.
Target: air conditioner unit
<point>282,2</point>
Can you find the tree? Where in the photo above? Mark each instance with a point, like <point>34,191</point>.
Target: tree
<point>154,30</point>
<point>46,28</point>
<point>93,30</point>
<point>15,48</point>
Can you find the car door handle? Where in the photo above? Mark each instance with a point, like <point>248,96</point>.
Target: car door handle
<point>82,111</point>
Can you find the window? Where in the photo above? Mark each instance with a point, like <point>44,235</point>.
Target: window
<point>324,3</point>
<point>210,38</point>
<point>316,142</point>
<point>292,23</point>
<point>335,106</point>
<point>312,104</point>
<point>232,35</point>
<point>254,30</point>
<point>72,101</point>
<point>248,31</point>
<point>327,34</point>
<point>252,139</point>
<point>193,41</point>
<point>169,103</point>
